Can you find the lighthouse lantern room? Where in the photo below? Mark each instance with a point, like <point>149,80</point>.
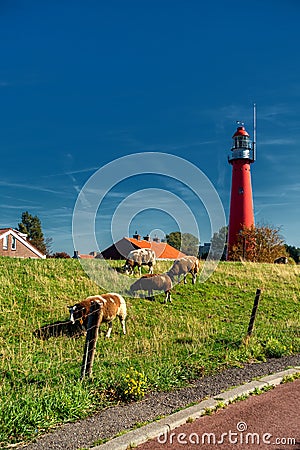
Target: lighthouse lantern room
<point>241,204</point>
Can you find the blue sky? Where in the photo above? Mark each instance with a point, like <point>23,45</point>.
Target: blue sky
<point>83,83</point>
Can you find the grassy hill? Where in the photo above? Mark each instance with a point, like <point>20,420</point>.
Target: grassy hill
<point>167,346</point>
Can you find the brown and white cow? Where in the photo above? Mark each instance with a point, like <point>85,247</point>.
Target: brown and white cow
<point>111,306</point>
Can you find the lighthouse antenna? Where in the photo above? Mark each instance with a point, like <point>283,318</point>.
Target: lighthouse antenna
<point>254,131</point>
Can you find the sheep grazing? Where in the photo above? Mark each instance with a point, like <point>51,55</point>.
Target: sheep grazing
<point>153,282</point>
<point>281,260</point>
<point>183,266</point>
<point>112,306</point>
<point>138,258</point>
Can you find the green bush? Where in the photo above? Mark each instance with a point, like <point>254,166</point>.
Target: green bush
<point>274,348</point>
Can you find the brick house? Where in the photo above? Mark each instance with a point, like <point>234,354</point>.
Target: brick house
<point>15,244</point>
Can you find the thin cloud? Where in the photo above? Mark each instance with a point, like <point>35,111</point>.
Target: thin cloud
<point>63,212</point>
<point>73,172</point>
<point>125,137</point>
<point>278,141</point>
<point>272,112</point>
<point>28,186</point>
<point>17,207</point>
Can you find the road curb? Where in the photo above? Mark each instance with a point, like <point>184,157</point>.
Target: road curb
<point>154,429</point>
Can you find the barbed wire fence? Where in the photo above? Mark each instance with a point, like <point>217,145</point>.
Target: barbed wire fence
<point>91,339</point>
<point>92,333</point>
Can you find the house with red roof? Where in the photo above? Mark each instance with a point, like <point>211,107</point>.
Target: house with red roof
<point>15,244</point>
<point>121,249</point>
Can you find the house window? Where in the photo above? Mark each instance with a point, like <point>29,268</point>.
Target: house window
<point>13,243</point>
<point>5,242</point>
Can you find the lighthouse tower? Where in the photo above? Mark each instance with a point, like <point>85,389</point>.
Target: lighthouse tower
<point>241,203</point>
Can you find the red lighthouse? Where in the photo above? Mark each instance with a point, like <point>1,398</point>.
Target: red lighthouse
<point>241,203</point>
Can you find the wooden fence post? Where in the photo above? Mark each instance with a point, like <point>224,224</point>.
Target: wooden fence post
<point>253,315</point>
<point>91,340</point>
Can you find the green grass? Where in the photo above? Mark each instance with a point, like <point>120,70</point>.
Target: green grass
<point>200,333</point>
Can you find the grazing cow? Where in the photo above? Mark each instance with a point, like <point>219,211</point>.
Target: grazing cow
<point>111,306</point>
<point>281,260</point>
<point>153,282</point>
<point>138,258</point>
<point>183,266</point>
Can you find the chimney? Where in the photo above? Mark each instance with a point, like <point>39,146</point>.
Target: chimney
<point>136,236</point>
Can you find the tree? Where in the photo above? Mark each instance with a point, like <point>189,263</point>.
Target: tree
<point>31,225</point>
<point>258,244</point>
<point>60,255</point>
<point>294,253</point>
<point>219,241</point>
<point>190,244</point>
<point>185,242</point>
<point>174,239</point>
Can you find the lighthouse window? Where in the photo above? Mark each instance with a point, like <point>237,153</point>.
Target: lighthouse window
<point>241,190</point>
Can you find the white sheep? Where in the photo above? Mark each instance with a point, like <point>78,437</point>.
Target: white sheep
<point>139,258</point>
